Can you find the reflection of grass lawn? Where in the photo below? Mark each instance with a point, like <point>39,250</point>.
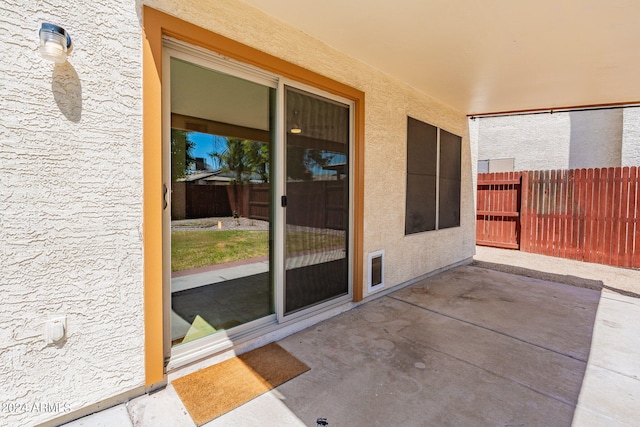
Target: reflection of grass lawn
<point>193,249</point>
<point>308,241</point>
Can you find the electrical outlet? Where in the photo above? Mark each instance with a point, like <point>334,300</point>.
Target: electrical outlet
<point>56,330</point>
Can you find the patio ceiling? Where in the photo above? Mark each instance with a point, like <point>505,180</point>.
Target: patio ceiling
<point>489,56</point>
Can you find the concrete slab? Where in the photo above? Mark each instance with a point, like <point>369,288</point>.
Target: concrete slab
<point>611,386</point>
<point>267,409</point>
<point>469,346</point>
<point>402,360</point>
<point>160,409</point>
<point>550,315</point>
<point>560,270</point>
<point>610,395</point>
<point>616,337</point>
<point>547,372</point>
<point>118,416</point>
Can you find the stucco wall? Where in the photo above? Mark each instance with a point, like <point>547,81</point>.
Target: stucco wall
<point>71,208</point>
<point>631,137</point>
<point>562,140</point>
<point>387,104</point>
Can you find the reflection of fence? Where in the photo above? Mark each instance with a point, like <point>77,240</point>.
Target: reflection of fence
<point>319,204</point>
<point>189,200</point>
<point>587,214</point>
<point>250,200</point>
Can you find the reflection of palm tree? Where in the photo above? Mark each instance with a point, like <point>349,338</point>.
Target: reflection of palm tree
<point>181,154</point>
<point>257,154</point>
<point>301,161</point>
<point>233,159</point>
<point>243,157</point>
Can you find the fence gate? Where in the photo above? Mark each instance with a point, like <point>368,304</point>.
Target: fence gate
<point>498,209</point>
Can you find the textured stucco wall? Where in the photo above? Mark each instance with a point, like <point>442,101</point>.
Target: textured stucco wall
<point>387,104</point>
<point>562,140</point>
<point>595,138</point>
<point>71,201</point>
<point>631,137</point>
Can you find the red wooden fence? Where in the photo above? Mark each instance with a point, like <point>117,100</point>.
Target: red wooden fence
<point>498,210</point>
<point>584,214</point>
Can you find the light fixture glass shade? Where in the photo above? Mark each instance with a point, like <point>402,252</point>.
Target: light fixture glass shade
<point>55,43</point>
<point>296,127</point>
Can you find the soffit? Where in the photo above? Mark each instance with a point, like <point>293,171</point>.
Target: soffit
<point>489,56</point>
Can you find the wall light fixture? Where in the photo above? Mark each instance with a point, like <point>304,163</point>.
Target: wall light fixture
<point>55,43</point>
<point>296,127</point>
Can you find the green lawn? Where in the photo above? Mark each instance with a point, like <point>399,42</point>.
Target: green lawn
<point>193,249</point>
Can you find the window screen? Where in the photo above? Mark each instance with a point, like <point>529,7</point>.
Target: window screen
<point>422,156</point>
<point>433,178</point>
<point>449,180</point>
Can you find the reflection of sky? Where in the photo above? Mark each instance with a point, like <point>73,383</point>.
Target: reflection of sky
<point>205,144</point>
<point>337,159</point>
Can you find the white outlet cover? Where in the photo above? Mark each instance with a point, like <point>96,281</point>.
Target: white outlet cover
<point>56,329</point>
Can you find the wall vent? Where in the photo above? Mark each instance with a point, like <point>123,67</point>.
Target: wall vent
<point>376,271</point>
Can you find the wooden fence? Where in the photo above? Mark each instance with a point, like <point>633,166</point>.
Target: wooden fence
<point>319,204</point>
<point>498,210</point>
<point>189,200</point>
<point>584,214</point>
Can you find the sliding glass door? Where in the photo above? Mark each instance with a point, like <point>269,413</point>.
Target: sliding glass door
<point>221,238</point>
<point>317,200</point>
<point>257,200</point>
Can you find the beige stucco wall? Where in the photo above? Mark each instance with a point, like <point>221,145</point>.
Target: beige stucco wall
<point>71,208</point>
<point>71,188</point>
<point>562,140</point>
<point>388,102</point>
<point>631,137</point>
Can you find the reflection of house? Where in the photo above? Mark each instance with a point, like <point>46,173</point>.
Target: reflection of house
<point>219,177</point>
<point>201,195</point>
<point>339,168</point>
<point>90,247</point>
<point>206,194</point>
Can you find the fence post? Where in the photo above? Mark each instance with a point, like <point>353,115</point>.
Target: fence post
<point>635,258</point>
<point>524,211</point>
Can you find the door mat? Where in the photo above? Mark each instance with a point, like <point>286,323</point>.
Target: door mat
<point>215,390</point>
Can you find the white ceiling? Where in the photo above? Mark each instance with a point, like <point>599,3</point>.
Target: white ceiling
<point>206,94</point>
<point>486,56</point>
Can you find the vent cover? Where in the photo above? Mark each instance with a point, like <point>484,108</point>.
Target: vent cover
<point>376,271</point>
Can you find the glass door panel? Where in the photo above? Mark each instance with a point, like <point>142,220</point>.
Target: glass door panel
<point>317,139</point>
<point>220,195</point>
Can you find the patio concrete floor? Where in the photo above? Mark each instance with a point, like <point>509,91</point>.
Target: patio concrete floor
<point>468,347</point>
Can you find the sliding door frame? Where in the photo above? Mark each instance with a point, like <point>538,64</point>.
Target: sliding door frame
<point>176,356</point>
<point>156,25</point>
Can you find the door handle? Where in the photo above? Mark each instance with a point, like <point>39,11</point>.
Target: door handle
<point>164,196</point>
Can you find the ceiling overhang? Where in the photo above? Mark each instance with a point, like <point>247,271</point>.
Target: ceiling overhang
<point>486,57</point>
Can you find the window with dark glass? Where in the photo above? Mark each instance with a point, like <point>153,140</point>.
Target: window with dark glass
<point>433,178</point>
<point>449,180</point>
